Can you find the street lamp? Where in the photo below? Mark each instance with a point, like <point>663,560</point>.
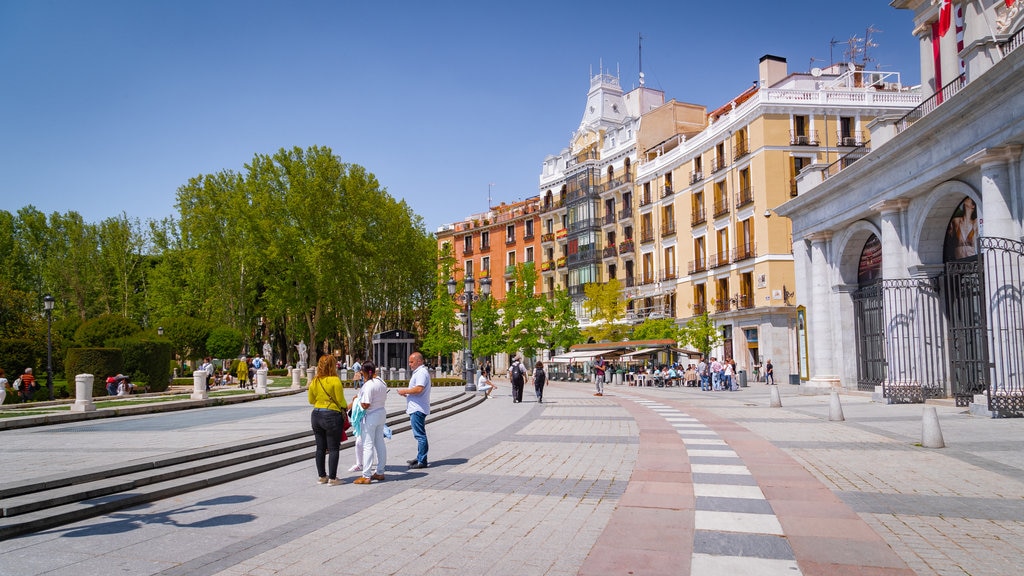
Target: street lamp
<point>159,330</point>
<point>467,297</point>
<point>48,306</point>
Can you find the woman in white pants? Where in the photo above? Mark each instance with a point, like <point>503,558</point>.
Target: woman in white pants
<point>372,399</point>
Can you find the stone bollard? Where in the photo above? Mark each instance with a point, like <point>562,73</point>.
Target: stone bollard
<point>835,408</point>
<point>401,373</point>
<point>296,378</point>
<point>931,434</point>
<point>344,375</point>
<point>310,374</point>
<point>83,394</point>
<point>617,379</point>
<point>199,385</point>
<point>261,381</point>
<point>776,398</point>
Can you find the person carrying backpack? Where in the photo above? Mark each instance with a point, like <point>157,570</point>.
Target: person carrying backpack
<point>517,375</point>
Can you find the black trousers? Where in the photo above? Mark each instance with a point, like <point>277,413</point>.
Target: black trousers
<point>517,390</point>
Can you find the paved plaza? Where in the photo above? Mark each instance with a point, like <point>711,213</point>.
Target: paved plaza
<point>639,481</point>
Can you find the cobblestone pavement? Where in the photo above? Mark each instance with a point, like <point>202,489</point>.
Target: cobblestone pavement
<point>641,481</point>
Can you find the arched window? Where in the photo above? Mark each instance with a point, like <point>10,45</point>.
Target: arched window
<point>869,270</point>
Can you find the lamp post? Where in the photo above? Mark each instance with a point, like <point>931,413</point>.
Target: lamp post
<point>48,306</point>
<point>159,330</point>
<point>468,296</point>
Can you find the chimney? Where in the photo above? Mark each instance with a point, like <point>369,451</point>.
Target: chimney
<point>771,69</point>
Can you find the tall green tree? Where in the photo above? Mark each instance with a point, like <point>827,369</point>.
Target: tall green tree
<point>606,307</point>
<point>562,328</point>
<point>442,338</point>
<point>660,329</point>
<point>523,313</point>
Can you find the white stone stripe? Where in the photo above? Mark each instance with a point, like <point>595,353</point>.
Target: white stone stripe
<point>699,434</point>
<point>689,426</point>
<point>737,522</point>
<point>728,491</point>
<point>712,453</point>
<point>719,469</point>
<point>708,564</point>
<point>704,442</point>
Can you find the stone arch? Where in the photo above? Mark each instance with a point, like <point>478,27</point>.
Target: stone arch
<point>849,244</point>
<point>928,230</point>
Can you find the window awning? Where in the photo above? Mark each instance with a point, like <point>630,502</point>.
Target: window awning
<point>579,355</point>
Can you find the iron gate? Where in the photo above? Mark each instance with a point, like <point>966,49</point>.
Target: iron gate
<point>968,350</point>
<point>914,340</point>
<point>1001,267</point>
<point>870,330</point>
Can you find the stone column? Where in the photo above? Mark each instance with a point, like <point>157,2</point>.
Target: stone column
<point>199,385</point>
<point>261,381</point>
<point>819,330</point>
<point>1005,307</point>
<point>296,378</point>
<point>898,306</point>
<point>83,394</point>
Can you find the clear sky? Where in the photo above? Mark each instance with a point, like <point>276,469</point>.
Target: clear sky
<point>109,106</point>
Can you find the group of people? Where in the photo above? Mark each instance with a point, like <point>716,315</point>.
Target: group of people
<point>332,416</point>
<point>23,387</point>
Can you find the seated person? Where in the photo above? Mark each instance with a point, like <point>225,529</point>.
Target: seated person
<point>112,386</point>
<point>124,387</point>
<point>484,384</point>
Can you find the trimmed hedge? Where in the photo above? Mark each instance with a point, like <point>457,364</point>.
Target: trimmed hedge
<point>96,332</point>
<point>146,361</point>
<point>100,362</point>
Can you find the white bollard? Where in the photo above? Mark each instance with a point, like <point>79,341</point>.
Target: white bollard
<point>401,373</point>
<point>83,394</point>
<point>310,374</point>
<point>835,408</point>
<point>261,381</point>
<point>296,378</point>
<point>199,385</point>
<point>931,434</point>
<point>776,398</point>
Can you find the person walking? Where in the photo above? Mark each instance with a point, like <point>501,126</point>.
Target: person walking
<point>28,385</point>
<point>3,386</point>
<point>716,374</point>
<point>703,374</point>
<point>417,397</point>
<point>358,380</point>
<point>727,375</point>
<point>600,367</point>
<point>539,379</point>
<point>327,396</point>
<point>769,372</point>
<point>517,376</point>
<point>371,398</point>
<point>242,372</point>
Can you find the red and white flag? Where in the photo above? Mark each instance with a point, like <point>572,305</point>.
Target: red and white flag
<point>1009,3</point>
<point>945,16</point>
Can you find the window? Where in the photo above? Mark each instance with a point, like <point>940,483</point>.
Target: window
<point>528,233</point>
<point>529,253</point>
<point>485,240</point>
<point>510,234</point>
<point>668,220</point>
<point>549,226</point>
<point>648,264</point>
<point>485,265</point>
<point>468,264</point>
<point>467,245</point>
<point>510,258</point>
<point>670,262</point>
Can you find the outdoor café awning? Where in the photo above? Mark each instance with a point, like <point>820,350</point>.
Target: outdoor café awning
<point>579,356</point>
<point>641,353</point>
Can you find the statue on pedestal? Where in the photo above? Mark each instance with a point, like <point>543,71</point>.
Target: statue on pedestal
<point>302,353</point>
<point>268,353</point>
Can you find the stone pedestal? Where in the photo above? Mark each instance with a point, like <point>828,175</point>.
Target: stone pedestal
<point>261,381</point>
<point>296,378</point>
<point>310,374</point>
<point>199,385</point>
<point>83,394</point>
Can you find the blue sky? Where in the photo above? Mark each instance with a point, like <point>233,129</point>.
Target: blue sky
<point>110,106</point>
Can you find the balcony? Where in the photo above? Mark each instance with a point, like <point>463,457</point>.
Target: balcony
<point>609,218</point>
<point>744,252</point>
<point>549,237</point>
<point>810,138</point>
<point>510,270</point>
<point>510,240</point>
<point>527,236</point>
<point>699,308</point>
<point>609,252</point>
<point>584,257</point>
<point>547,266</point>
<point>933,102</point>
<point>721,304</point>
<point>645,199</point>
<point>668,228</point>
<point>850,139</point>
<point>560,263</point>
<point>626,246</point>
<point>744,197</point>
<point>576,290</point>
<point>740,149</point>
<point>667,275</point>
<point>666,191</point>
<point>467,251</point>
<point>721,207</point>
<point>717,164</point>
<point>698,216</point>
<point>646,236</point>
<point>626,213</point>
<point>696,176</point>
<point>744,301</point>
<point>698,265</point>
<point>720,259</point>
<point>629,281</point>
<point>647,279</point>
<point>485,246</point>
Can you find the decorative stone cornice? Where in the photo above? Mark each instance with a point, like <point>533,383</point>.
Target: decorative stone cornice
<point>999,155</point>
<point>890,206</point>
<point>820,236</point>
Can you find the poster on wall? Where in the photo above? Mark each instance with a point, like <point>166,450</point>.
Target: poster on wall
<point>801,343</point>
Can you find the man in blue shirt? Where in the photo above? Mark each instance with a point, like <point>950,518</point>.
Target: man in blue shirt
<point>417,397</point>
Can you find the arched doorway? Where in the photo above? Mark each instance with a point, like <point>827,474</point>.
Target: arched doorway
<point>965,312</point>
<point>869,317</point>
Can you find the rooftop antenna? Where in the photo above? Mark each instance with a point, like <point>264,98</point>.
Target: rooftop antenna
<point>489,184</point>
<point>640,53</point>
<point>869,42</point>
<point>813,60</point>
<point>831,46</point>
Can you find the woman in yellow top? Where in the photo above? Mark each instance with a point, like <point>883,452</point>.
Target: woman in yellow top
<point>328,399</point>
